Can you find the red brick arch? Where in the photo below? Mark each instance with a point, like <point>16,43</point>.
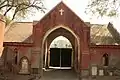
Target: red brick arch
<point>74,27</point>
<point>66,32</point>
<point>71,35</point>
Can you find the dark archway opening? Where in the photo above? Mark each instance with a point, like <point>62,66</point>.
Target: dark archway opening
<point>60,57</point>
<point>16,56</point>
<point>61,53</point>
<point>60,60</point>
<point>105,59</point>
<point>73,47</point>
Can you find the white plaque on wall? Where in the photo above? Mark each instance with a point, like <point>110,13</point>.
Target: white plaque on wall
<point>101,72</point>
<point>94,70</point>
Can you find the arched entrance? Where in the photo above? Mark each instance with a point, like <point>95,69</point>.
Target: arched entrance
<point>60,54</point>
<point>74,40</point>
<point>68,25</point>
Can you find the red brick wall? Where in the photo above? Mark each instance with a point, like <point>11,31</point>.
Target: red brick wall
<point>97,53</point>
<point>69,20</point>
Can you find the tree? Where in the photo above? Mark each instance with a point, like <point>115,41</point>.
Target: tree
<point>13,9</point>
<point>104,7</point>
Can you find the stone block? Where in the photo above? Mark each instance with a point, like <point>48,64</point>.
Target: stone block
<point>101,72</point>
<point>84,73</point>
<point>94,70</point>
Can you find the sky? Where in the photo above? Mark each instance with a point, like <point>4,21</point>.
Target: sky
<point>77,6</point>
<point>61,42</point>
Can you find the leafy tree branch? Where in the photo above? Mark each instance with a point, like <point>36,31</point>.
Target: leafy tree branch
<point>20,8</point>
<point>104,7</point>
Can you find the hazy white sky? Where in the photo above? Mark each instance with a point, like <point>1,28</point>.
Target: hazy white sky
<point>78,6</point>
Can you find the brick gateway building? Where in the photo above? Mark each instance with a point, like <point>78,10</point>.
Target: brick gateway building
<point>94,48</point>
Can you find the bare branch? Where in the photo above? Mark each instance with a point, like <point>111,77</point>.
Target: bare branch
<point>6,5</point>
<point>20,7</point>
<point>7,11</point>
<point>3,2</point>
<point>9,8</point>
<point>33,1</point>
<point>16,10</point>
<point>28,6</point>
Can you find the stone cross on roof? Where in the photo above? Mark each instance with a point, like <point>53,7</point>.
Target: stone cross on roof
<point>61,11</point>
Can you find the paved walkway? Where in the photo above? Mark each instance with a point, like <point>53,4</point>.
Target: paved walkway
<point>10,76</point>
<point>60,75</point>
<point>55,75</point>
<point>47,75</point>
